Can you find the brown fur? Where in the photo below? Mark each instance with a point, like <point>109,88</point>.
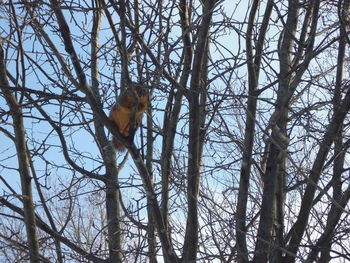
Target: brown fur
<point>121,113</point>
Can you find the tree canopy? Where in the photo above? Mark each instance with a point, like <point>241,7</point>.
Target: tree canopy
<point>242,152</point>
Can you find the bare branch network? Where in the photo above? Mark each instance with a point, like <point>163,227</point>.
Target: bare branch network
<point>174,131</point>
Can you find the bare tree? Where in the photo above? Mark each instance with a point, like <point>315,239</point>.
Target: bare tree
<point>15,109</point>
<point>242,152</point>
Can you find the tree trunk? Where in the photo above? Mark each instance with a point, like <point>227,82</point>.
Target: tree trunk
<point>108,154</point>
<point>253,72</point>
<point>23,164</point>
<point>271,207</point>
<point>194,145</point>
